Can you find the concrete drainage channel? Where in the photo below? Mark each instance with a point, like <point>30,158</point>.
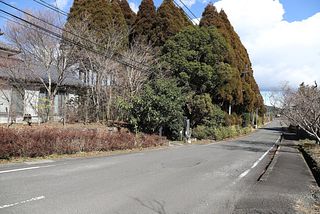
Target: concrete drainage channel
<point>274,152</point>
<point>315,169</point>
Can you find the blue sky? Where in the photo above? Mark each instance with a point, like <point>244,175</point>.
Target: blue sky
<point>295,10</point>
<point>281,36</point>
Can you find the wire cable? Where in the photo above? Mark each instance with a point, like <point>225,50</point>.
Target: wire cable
<point>58,36</point>
<point>186,14</point>
<point>56,9</point>
<point>189,10</point>
<point>63,30</point>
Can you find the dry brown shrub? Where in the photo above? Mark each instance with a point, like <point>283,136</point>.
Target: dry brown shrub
<point>44,141</point>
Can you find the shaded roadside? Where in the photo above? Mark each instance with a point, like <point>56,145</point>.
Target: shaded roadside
<point>287,186</point>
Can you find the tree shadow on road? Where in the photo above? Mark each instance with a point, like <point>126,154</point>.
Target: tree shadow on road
<point>155,206</point>
<point>255,143</point>
<point>240,148</point>
<point>277,129</point>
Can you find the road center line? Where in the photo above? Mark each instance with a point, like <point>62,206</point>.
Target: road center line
<point>23,202</point>
<point>258,161</point>
<point>24,169</point>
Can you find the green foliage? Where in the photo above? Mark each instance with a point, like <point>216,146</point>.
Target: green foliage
<point>219,133</point>
<point>230,132</point>
<point>170,20</point>
<point>117,17</point>
<point>127,12</point>
<point>237,57</point>
<point>160,104</point>
<point>208,62</point>
<point>196,56</point>
<point>203,132</point>
<point>100,17</point>
<point>260,121</point>
<point>203,112</point>
<point>246,117</point>
<point>233,119</point>
<point>145,22</point>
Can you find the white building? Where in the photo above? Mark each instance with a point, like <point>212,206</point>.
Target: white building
<point>22,94</point>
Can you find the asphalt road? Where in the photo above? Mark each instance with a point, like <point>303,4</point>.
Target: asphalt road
<point>214,178</point>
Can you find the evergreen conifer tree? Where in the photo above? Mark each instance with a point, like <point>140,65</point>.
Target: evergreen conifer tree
<point>128,14</point>
<point>238,57</point>
<point>100,15</point>
<point>117,17</point>
<point>211,17</point>
<point>145,21</point>
<point>170,20</point>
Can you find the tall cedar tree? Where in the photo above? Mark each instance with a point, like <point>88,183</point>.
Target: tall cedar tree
<point>238,57</point>
<point>145,21</point>
<point>128,14</point>
<point>196,57</point>
<point>102,15</point>
<point>170,20</point>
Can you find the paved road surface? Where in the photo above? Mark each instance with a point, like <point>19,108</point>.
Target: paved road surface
<point>215,178</point>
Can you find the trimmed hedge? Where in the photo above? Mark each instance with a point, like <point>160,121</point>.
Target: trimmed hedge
<point>41,141</point>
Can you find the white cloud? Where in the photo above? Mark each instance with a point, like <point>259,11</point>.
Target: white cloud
<point>134,7</point>
<point>196,21</point>
<point>280,51</point>
<point>61,3</point>
<point>188,3</point>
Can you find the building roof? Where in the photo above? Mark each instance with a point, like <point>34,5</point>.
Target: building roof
<point>12,67</point>
<point>37,73</point>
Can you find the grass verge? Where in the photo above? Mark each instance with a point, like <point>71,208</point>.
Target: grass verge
<point>311,153</point>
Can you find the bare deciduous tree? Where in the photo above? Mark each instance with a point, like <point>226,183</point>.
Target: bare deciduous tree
<point>133,77</point>
<point>94,56</point>
<point>42,59</point>
<point>109,67</point>
<point>302,108</point>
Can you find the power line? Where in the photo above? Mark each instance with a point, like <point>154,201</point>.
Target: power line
<point>26,26</point>
<point>31,15</point>
<point>56,9</point>
<point>58,36</point>
<point>189,10</point>
<point>49,6</point>
<point>184,12</point>
<point>117,54</point>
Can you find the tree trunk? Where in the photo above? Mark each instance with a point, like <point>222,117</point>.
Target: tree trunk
<point>51,108</point>
<point>109,103</point>
<point>9,109</point>
<point>86,103</point>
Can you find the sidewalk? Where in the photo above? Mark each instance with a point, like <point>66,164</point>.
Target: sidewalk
<point>286,187</point>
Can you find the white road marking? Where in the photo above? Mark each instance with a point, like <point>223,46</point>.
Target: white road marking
<point>257,162</point>
<point>38,162</point>
<point>23,202</point>
<point>24,169</point>
<point>244,173</point>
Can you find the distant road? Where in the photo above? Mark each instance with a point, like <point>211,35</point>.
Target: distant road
<point>215,178</point>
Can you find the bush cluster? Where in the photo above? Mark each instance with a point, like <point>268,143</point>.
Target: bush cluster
<point>37,142</point>
<point>219,133</point>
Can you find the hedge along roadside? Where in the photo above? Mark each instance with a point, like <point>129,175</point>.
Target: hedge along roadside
<point>39,142</point>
